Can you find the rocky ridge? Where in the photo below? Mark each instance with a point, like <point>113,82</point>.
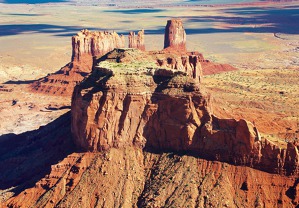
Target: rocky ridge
<point>155,100</point>
<point>87,44</point>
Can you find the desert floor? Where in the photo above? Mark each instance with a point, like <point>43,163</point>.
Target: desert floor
<point>261,40</point>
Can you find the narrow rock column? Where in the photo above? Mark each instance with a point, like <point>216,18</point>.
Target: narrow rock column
<point>175,35</point>
<point>137,41</point>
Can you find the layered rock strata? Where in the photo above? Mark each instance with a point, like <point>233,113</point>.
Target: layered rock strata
<point>135,112</point>
<point>137,41</point>
<point>89,44</point>
<point>85,45</point>
<point>132,100</point>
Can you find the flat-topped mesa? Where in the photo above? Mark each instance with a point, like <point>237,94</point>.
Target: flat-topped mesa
<point>175,35</point>
<point>137,41</point>
<point>87,44</point>
<point>131,99</point>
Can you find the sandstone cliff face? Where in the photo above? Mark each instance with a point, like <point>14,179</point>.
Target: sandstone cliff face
<point>85,45</point>
<point>175,35</point>
<point>134,91</point>
<point>129,103</point>
<point>137,41</point>
<point>128,177</point>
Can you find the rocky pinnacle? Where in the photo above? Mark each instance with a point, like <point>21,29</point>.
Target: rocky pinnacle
<point>175,35</point>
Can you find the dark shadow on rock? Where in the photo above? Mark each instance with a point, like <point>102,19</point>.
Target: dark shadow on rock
<point>58,108</point>
<point>292,192</point>
<point>27,157</point>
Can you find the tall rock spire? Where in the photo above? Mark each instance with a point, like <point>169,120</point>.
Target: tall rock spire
<point>137,41</point>
<point>175,35</point>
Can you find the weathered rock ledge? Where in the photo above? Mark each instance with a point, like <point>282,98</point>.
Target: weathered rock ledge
<point>131,99</point>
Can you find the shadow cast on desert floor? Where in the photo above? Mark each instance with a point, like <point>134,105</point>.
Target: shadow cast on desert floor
<point>27,157</point>
<point>250,19</point>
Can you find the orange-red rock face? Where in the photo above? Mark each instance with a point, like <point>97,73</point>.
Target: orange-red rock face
<point>164,109</point>
<point>131,178</point>
<point>175,35</point>
<point>137,41</point>
<point>133,105</point>
<point>215,68</point>
<point>87,43</point>
<point>133,94</point>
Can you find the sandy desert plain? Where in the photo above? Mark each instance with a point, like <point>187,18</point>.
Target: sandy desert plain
<point>261,40</point>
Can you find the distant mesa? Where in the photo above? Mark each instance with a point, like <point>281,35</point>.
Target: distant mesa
<point>87,44</point>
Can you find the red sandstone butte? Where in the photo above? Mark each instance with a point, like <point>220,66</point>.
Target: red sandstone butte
<point>85,45</point>
<point>165,107</point>
<point>175,35</point>
<point>137,41</point>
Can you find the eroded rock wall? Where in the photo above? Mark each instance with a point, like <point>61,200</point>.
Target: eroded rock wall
<point>165,109</point>
<point>89,44</point>
<point>175,35</point>
<point>137,41</point>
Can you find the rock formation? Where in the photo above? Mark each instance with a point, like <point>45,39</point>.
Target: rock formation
<point>85,45</point>
<point>131,99</point>
<point>132,178</point>
<point>137,41</point>
<point>175,35</point>
<point>209,67</point>
<point>148,138</point>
